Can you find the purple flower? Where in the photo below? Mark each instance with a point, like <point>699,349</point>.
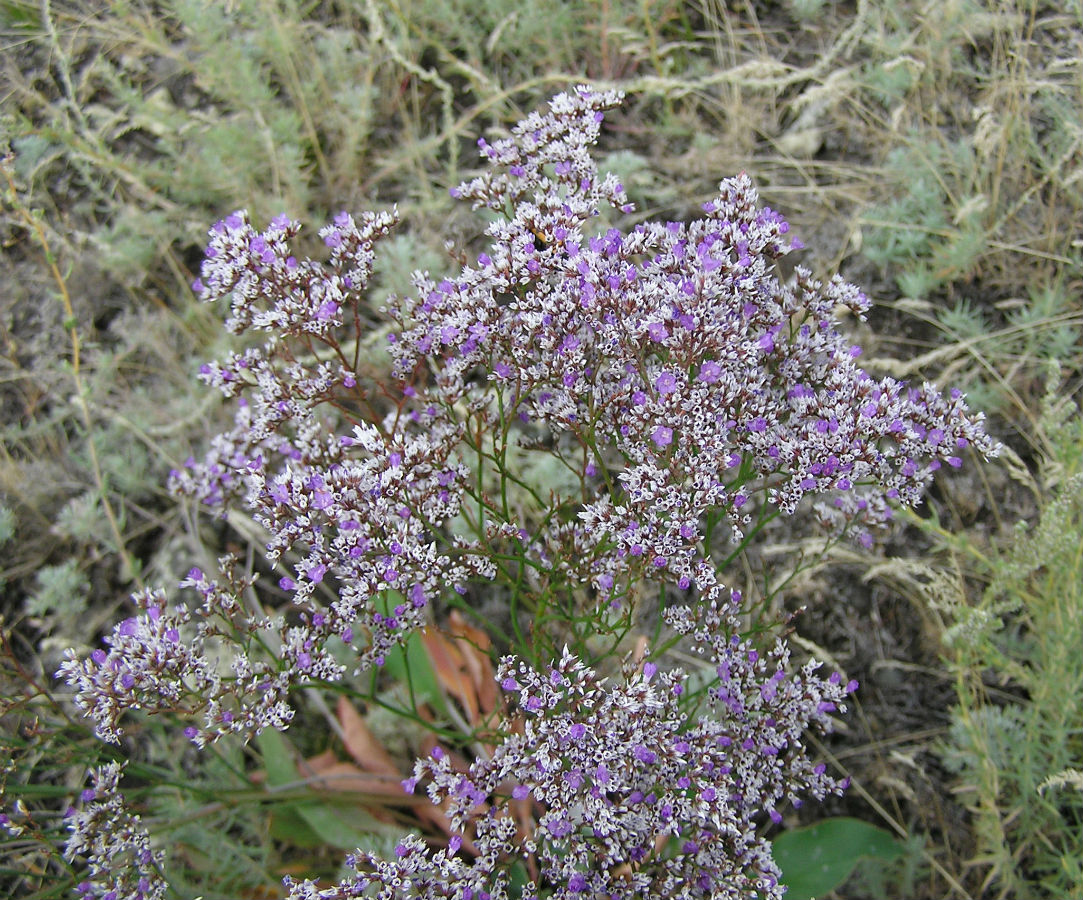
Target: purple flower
<point>709,372</point>
<point>662,436</point>
<point>561,827</point>
<point>666,383</point>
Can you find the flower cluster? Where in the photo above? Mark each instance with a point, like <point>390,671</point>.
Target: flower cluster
<point>159,662</point>
<point>673,381</point>
<point>672,353</point>
<point>122,864</point>
<point>608,790</point>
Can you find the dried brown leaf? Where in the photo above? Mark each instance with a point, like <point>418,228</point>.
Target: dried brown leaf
<point>362,744</point>
<point>474,644</point>
<point>451,670</point>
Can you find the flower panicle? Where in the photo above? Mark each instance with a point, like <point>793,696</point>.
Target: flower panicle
<point>676,382</point>
<point>121,862</point>
<point>627,797</point>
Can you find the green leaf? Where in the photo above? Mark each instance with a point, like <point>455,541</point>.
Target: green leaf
<point>344,828</point>
<point>19,14</point>
<point>312,822</point>
<point>286,822</point>
<point>61,590</point>
<point>413,667</point>
<point>277,761</point>
<point>7,524</point>
<point>818,858</point>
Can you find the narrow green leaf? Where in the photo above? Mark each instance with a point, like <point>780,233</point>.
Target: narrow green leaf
<point>346,828</point>
<point>287,824</point>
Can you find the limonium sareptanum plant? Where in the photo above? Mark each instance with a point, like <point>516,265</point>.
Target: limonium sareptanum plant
<point>680,385</point>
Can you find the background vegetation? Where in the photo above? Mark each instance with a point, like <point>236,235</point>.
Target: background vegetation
<point>931,152</point>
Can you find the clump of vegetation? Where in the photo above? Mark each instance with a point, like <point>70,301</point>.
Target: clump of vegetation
<point>1016,738</point>
<point>937,146</point>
